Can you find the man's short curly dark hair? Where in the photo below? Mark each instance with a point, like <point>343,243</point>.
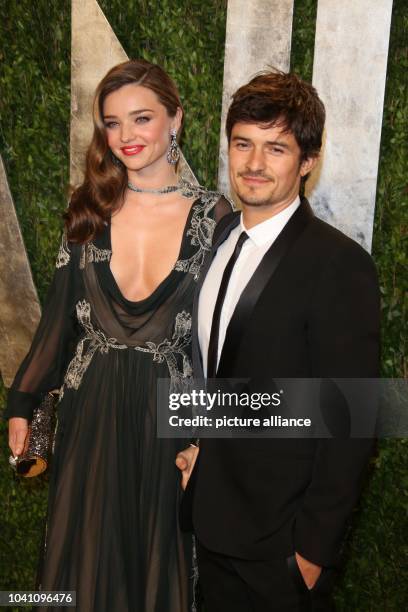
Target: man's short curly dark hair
<point>275,98</point>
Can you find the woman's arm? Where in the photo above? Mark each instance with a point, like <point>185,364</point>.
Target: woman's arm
<point>43,368</point>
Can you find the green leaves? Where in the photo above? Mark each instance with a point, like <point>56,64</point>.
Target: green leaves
<point>34,142</point>
<point>391,220</point>
<point>34,120</point>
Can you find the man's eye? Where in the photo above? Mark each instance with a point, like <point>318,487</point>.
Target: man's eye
<point>242,145</point>
<point>276,150</point>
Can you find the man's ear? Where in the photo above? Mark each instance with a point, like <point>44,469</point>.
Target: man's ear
<point>308,164</point>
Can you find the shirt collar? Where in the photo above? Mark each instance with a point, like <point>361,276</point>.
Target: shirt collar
<point>263,232</point>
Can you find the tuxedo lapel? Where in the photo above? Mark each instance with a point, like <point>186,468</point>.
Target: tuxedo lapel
<point>264,272</point>
<point>227,225</point>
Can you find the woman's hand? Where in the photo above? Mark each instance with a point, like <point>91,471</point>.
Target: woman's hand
<point>18,429</point>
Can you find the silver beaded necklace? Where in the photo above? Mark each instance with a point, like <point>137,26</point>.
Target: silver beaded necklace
<point>161,190</point>
<point>186,189</point>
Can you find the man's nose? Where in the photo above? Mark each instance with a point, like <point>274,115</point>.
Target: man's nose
<point>256,160</point>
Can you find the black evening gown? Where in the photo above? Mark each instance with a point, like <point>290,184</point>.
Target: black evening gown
<point>112,531</point>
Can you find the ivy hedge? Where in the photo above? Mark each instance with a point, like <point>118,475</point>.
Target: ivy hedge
<point>187,37</point>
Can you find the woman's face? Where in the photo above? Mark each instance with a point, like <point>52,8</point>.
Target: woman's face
<point>138,127</point>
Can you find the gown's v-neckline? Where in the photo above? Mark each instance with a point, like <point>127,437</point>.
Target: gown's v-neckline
<point>159,288</point>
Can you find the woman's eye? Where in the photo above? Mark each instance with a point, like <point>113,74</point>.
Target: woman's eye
<point>111,124</point>
<point>142,119</point>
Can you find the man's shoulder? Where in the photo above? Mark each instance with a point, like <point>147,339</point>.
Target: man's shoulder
<point>326,236</point>
<point>332,246</point>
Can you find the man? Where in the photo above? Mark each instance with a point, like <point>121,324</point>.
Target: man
<point>283,295</point>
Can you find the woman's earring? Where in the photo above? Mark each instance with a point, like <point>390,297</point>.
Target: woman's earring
<point>173,153</point>
<point>116,161</point>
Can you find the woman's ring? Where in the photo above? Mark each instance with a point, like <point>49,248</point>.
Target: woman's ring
<point>13,461</point>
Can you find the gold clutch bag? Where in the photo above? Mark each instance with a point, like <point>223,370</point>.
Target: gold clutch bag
<point>40,439</point>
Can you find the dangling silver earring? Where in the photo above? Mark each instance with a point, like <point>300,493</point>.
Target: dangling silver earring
<point>116,160</point>
<point>173,153</point>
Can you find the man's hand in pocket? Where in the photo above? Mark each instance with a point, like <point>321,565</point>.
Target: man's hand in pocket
<point>310,571</point>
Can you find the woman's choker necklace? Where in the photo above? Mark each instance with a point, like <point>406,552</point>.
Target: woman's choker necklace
<point>161,190</point>
<point>186,189</point>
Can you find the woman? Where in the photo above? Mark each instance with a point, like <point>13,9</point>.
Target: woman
<point>117,318</point>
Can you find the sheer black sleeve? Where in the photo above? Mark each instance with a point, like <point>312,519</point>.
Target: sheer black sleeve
<point>43,368</point>
<point>223,207</point>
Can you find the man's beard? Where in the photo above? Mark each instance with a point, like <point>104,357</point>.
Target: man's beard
<point>264,202</point>
<point>255,201</point>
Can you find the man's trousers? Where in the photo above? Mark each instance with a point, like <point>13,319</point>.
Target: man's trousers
<point>228,584</point>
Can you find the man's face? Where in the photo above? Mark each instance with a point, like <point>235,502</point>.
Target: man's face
<point>264,165</point>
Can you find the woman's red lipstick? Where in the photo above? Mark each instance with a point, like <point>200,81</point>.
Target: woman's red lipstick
<point>132,150</point>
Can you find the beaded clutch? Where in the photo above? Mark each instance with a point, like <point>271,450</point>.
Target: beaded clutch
<point>39,442</point>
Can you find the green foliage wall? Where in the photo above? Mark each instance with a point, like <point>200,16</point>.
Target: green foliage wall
<point>35,40</point>
<point>187,38</point>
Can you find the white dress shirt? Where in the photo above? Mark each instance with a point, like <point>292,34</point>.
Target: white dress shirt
<point>261,237</point>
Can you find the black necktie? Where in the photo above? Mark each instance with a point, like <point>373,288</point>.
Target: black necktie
<point>215,326</point>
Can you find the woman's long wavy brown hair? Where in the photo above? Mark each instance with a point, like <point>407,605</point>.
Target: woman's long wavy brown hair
<point>105,182</point>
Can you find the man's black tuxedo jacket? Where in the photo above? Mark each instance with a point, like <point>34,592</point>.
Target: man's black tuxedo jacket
<point>316,316</point>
